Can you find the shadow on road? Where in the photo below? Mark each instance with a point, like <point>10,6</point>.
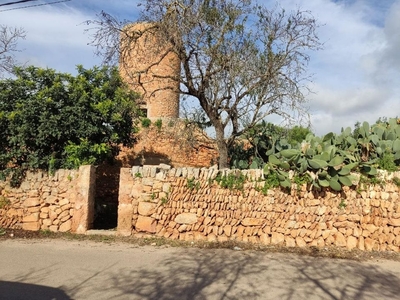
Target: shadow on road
<point>196,275</point>
<point>317,278</point>
<point>15,290</point>
<point>249,275</point>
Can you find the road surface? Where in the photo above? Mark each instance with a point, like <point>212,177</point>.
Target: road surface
<point>57,269</point>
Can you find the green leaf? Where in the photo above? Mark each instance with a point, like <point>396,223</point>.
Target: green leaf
<point>335,185</point>
<point>328,137</point>
<point>345,180</point>
<point>289,153</point>
<point>396,145</point>
<point>254,165</point>
<point>323,182</point>
<point>317,164</point>
<point>284,165</point>
<point>365,127</point>
<point>336,161</point>
<point>285,183</point>
<point>274,160</point>
<point>374,139</point>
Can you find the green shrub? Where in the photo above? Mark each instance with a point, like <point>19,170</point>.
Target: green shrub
<point>158,124</point>
<point>146,122</point>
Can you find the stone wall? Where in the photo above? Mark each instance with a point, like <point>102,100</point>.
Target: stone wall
<point>176,144</point>
<point>60,202</point>
<point>185,204</point>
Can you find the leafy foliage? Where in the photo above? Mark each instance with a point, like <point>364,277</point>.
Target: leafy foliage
<point>324,161</point>
<point>51,120</point>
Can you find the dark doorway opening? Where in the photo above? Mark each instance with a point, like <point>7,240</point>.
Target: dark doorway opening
<point>106,197</point>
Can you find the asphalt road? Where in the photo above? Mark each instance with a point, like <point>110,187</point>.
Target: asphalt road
<point>56,269</point>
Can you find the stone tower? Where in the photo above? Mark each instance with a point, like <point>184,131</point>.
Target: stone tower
<point>149,69</point>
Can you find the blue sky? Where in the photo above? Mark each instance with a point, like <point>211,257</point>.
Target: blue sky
<point>356,76</point>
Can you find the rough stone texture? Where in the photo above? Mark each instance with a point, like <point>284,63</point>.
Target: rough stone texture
<point>186,218</point>
<point>194,207</point>
<point>51,202</point>
<point>156,146</point>
<point>146,224</point>
<point>143,70</point>
<point>146,208</point>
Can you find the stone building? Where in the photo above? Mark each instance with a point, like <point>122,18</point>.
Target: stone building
<point>151,69</point>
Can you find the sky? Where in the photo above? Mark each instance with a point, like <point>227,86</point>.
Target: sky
<point>356,77</point>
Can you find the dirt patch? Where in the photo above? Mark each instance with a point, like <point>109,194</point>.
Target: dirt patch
<point>141,240</point>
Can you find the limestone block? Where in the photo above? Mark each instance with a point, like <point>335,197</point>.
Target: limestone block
<point>32,210</point>
<point>211,237</point>
<point>186,218</point>
<point>32,226</point>
<point>228,230</point>
<point>198,236</point>
<point>300,242</point>
<point>47,222</point>
<point>63,202</point>
<point>33,193</point>
<point>51,199</point>
<point>252,222</point>
<point>31,218</point>
<point>290,242</point>
<point>222,238</point>
<point>31,202</point>
<point>66,226</point>
<point>340,240</point>
<point>351,242</point>
<point>369,244</point>
<point>277,238</point>
<point>53,228</point>
<point>43,216</point>
<point>146,224</point>
<point>125,214</point>
<point>265,239</point>
<point>146,208</point>
<point>394,222</point>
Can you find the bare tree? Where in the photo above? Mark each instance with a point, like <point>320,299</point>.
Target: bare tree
<point>242,61</point>
<point>8,46</point>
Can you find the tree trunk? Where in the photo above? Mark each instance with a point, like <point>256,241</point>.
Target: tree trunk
<point>222,148</point>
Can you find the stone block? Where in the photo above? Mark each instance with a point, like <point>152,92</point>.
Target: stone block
<point>252,222</point>
<point>265,239</point>
<point>66,226</point>
<point>186,218</point>
<point>340,240</point>
<point>211,237</point>
<point>351,242</point>
<point>146,208</point>
<point>146,224</point>
<point>369,244</point>
<point>32,202</point>
<point>31,218</point>
<point>32,226</point>
<point>125,214</point>
<point>53,228</point>
<point>277,238</point>
<point>394,222</point>
<point>228,230</point>
<point>300,242</point>
<point>290,242</point>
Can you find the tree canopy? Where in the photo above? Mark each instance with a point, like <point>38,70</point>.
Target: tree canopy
<point>51,120</point>
<point>241,60</point>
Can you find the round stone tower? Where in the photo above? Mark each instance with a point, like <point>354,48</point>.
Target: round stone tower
<point>150,69</point>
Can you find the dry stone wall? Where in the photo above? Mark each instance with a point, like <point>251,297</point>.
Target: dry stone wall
<point>185,204</point>
<point>60,202</point>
